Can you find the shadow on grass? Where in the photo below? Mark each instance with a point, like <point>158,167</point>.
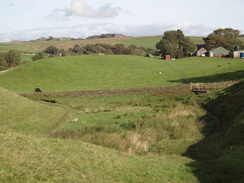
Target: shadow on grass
<point>237,75</point>
<point>220,157</point>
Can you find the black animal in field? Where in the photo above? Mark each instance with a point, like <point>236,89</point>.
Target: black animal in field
<point>38,90</point>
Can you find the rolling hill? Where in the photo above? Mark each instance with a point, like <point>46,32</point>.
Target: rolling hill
<point>30,46</point>
<point>22,115</point>
<point>44,142</point>
<point>117,72</point>
<point>28,156</point>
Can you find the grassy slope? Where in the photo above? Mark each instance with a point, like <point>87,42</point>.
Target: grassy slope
<point>116,71</point>
<point>221,157</point>
<point>21,114</point>
<point>147,41</point>
<point>33,159</point>
<point>217,160</point>
<point>42,45</point>
<point>144,41</point>
<point>28,157</point>
<point>151,41</point>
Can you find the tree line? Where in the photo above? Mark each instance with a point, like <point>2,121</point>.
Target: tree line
<point>91,49</point>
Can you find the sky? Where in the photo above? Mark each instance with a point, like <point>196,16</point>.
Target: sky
<point>26,20</point>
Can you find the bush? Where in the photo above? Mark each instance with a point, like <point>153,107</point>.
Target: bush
<point>38,56</point>
<point>10,59</point>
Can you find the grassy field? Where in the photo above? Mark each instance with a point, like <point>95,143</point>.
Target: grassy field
<point>28,154</point>
<point>153,137</point>
<point>116,72</point>
<point>29,47</point>
<point>147,41</point>
<point>121,138</point>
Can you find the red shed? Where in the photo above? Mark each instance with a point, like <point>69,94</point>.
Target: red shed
<point>167,57</point>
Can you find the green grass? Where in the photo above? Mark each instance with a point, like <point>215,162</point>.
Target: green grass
<point>26,58</point>
<point>20,114</point>
<point>151,130</point>
<point>116,72</point>
<point>151,41</point>
<point>134,123</point>
<point>28,155</point>
<point>33,159</point>
<point>221,157</point>
<point>120,138</point>
<point>146,42</point>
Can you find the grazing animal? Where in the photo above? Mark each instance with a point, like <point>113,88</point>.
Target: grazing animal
<point>37,90</point>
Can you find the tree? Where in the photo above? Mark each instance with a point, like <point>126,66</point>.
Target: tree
<point>175,44</point>
<point>227,38</point>
<point>51,50</point>
<point>13,58</point>
<point>165,47</point>
<point>188,46</point>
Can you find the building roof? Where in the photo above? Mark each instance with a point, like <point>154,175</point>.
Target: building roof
<point>219,51</point>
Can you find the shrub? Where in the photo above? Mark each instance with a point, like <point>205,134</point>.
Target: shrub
<point>38,56</point>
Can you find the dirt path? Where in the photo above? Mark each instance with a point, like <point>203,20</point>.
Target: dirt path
<point>5,70</point>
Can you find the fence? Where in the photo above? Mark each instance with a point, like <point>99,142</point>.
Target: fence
<point>209,86</point>
<point>163,89</point>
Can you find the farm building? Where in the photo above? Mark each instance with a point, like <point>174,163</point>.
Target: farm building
<point>237,54</point>
<point>218,52</point>
<point>200,52</point>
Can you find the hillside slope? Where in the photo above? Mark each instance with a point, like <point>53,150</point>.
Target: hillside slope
<point>117,72</point>
<point>22,115</point>
<point>221,157</point>
<point>27,156</point>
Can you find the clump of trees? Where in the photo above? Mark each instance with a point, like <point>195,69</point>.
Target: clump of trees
<point>100,48</point>
<point>227,38</point>
<point>175,44</point>
<point>10,59</point>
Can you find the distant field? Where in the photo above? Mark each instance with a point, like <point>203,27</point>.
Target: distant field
<point>147,41</point>
<point>144,41</point>
<point>117,72</point>
<point>150,41</point>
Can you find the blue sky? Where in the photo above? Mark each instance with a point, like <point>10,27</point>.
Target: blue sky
<point>31,19</point>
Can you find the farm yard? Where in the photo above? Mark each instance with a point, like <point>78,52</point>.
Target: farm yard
<point>121,118</point>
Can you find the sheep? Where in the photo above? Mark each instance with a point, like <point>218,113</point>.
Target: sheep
<point>38,90</point>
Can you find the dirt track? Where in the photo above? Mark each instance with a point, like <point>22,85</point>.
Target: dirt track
<point>5,70</point>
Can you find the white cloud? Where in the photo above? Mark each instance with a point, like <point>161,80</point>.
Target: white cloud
<point>79,8</point>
